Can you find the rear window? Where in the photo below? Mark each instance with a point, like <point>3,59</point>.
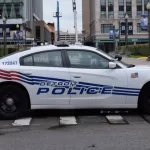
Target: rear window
<point>44,59</point>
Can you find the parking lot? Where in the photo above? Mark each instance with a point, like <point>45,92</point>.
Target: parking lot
<point>81,130</point>
<point>78,130</point>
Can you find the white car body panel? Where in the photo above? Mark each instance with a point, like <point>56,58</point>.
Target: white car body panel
<point>50,74</point>
<point>139,82</point>
<point>105,80</point>
<point>123,92</point>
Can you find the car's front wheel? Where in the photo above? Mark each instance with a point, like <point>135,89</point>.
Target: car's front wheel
<point>144,100</point>
<point>13,101</point>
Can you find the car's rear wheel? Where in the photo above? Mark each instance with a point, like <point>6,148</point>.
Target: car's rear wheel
<point>144,100</point>
<point>13,102</point>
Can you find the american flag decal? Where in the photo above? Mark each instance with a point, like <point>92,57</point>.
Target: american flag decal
<point>15,76</point>
<point>134,75</point>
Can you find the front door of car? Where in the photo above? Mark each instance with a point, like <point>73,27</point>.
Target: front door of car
<point>96,84</point>
<point>46,77</point>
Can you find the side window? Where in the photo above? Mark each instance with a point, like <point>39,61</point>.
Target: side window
<point>44,59</point>
<point>28,61</point>
<point>49,59</point>
<point>86,59</point>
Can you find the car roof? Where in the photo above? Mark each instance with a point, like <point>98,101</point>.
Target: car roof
<point>73,47</point>
<point>53,47</point>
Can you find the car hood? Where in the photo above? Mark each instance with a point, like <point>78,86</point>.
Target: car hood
<point>142,67</point>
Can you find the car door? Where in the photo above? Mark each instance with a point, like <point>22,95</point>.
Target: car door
<point>44,75</point>
<point>96,84</point>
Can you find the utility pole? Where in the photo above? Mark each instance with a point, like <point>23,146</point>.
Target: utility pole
<point>25,28</point>
<point>126,34</point>
<point>148,8</point>
<point>4,26</point>
<point>18,35</point>
<point>114,30</point>
<point>75,19</point>
<point>58,15</point>
<point>119,33</point>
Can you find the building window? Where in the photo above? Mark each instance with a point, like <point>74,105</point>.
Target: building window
<point>11,8</point>
<point>110,8</point>
<point>139,8</point>
<point>121,8</point>
<point>129,8</point>
<point>103,8</point>
<point>38,33</point>
<point>145,6</point>
<point>105,28</point>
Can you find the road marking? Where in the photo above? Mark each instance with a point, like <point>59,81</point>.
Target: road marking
<point>68,121</point>
<point>116,119</point>
<point>22,122</point>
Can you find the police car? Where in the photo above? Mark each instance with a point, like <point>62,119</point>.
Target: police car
<point>66,76</point>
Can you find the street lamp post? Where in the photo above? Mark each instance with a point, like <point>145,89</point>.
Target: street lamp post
<point>4,28</point>
<point>25,25</point>
<point>126,30</point>
<point>114,28</point>
<point>119,34</point>
<point>75,19</point>
<point>148,8</point>
<point>18,35</point>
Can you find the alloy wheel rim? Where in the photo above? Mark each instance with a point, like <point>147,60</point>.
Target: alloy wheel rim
<point>9,103</point>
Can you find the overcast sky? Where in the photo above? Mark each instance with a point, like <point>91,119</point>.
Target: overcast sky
<point>67,20</point>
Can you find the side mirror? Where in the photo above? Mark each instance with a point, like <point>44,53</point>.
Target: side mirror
<point>118,57</point>
<point>112,65</point>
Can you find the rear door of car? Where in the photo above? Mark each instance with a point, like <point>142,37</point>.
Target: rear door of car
<point>45,76</point>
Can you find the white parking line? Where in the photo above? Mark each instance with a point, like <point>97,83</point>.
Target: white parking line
<point>22,122</point>
<point>68,121</point>
<point>116,119</point>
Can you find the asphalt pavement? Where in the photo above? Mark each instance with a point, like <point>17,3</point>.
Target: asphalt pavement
<point>78,130</point>
<point>94,132</point>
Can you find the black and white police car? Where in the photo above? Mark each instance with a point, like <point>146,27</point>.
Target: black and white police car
<point>70,77</point>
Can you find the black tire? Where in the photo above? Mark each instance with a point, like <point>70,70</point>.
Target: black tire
<point>16,95</point>
<point>144,100</point>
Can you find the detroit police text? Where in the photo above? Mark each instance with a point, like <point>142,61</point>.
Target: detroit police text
<point>71,88</point>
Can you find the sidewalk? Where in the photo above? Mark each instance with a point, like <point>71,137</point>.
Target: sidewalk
<point>136,61</point>
<point>143,58</point>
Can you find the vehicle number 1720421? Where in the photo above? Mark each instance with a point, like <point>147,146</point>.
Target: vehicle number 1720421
<point>9,63</point>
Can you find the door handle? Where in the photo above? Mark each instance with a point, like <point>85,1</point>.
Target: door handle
<point>77,77</point>
<point>28,74</point>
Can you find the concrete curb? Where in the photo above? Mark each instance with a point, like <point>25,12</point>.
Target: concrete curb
<point>142,58</point>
